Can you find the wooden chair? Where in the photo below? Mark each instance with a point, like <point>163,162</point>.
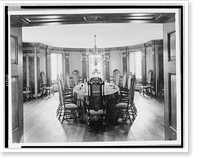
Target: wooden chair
<point>50,89</point>
<point>66,93</point>
<point>27,93</point>
<point>45,88</point>
<point>68,108</point>
<point>124,80</point>
<point>42,84</point>
<point>124,91</point>
<point>116,77</point>
<point>123,85</point>
<point>126,109</point>
<point>75,75</point>
<point>96,106</point>
<point>147,86</point>
<point>68,84</point>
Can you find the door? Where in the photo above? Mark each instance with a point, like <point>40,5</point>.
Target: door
<point>170,80</point>
<point>16,58</point>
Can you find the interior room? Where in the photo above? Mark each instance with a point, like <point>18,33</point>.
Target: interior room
<point>93,75</point>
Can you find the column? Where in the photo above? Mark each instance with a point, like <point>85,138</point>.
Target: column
<point>154,69</point>
<point>84,66</point>
<point>87,68</point>
<point>35,71</point>
<point>159,68</point>
<point>143,50</point>
<point>108,67</point>
<point>124,61</point>
<point>48,65</point>
<point>27,70</point>
<point>67,71</point>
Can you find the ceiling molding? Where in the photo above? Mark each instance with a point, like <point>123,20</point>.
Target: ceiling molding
<point>29,47</point>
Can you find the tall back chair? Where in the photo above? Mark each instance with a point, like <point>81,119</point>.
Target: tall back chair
<point>67,109</point>
<point>96,110</point>
<point>124,79</point>
<point>126,107</point>
<point>129,81</point>
<point>62,81</point>
<point>132,91</point>
<point>116,76</point>
<point>75,75</point>
<point>42,83</point>
<point>147,86</point>
<point>124,91</point>
<point>150,77</point>
<point>68,86</point>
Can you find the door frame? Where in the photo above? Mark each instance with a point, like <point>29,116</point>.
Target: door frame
<point>179,24</point>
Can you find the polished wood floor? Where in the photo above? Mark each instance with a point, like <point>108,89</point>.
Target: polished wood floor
<point>41,124</point>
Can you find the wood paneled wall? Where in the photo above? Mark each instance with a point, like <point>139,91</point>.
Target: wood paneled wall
<point>36,61</point>
<point>115,58</point>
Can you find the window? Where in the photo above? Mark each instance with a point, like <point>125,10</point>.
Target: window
<point>135,63</point>
<point>56,65</point>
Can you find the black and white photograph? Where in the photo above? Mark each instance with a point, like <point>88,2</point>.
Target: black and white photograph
<point>102,76</point>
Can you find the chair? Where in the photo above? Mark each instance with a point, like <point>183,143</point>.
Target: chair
<point>116,76</point>
<point>67,93</point>
<point>75,75</point>
<point>68,84</point>
<point>147,86</point>
<point>96,106</point>
<point>124,82</point>
<point>50,89</point>
<point>27,93</point>
<point>124,90</point>
<point>68,108</point>
<point>126,109</point>
<point>45,88</point>
<point>42,84</point>
<point>124,79</point>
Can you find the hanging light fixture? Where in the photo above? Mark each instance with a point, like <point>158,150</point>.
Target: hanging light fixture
<point>95,55</point>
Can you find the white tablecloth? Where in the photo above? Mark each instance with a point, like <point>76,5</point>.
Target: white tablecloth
<point>82,90</point>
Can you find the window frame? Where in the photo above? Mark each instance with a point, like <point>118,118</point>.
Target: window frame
<point>135,65</point>
<point>58,64</point>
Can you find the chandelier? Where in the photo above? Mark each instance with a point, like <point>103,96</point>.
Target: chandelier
<point>95,55</point>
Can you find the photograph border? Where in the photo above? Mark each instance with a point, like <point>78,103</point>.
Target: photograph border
<point>127,6</point>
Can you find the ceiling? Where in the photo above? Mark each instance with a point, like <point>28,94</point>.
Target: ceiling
<point>85,16</point>
<point>114,27</point>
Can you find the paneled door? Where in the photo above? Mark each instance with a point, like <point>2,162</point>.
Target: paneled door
<point>170,80</point>
<point>16,58</point>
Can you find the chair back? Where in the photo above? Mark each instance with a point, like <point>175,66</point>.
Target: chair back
<point>62,81</point>
<point>60,91</point>
<point>150,76</point>
<point>116,76</point>
<point>129,81</point>
<point>124,80</point>
<point>95,93</point>
<point>42,78</point>
<point>75,75</point>
<point>132,91</point>
<point>67,81</point>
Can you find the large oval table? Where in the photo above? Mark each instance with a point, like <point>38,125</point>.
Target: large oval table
<point>81,92</point>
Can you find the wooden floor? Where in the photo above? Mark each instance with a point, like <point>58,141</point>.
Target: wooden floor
<point>41,124</point>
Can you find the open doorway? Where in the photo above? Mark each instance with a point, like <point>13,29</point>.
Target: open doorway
<point>138,69</point>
